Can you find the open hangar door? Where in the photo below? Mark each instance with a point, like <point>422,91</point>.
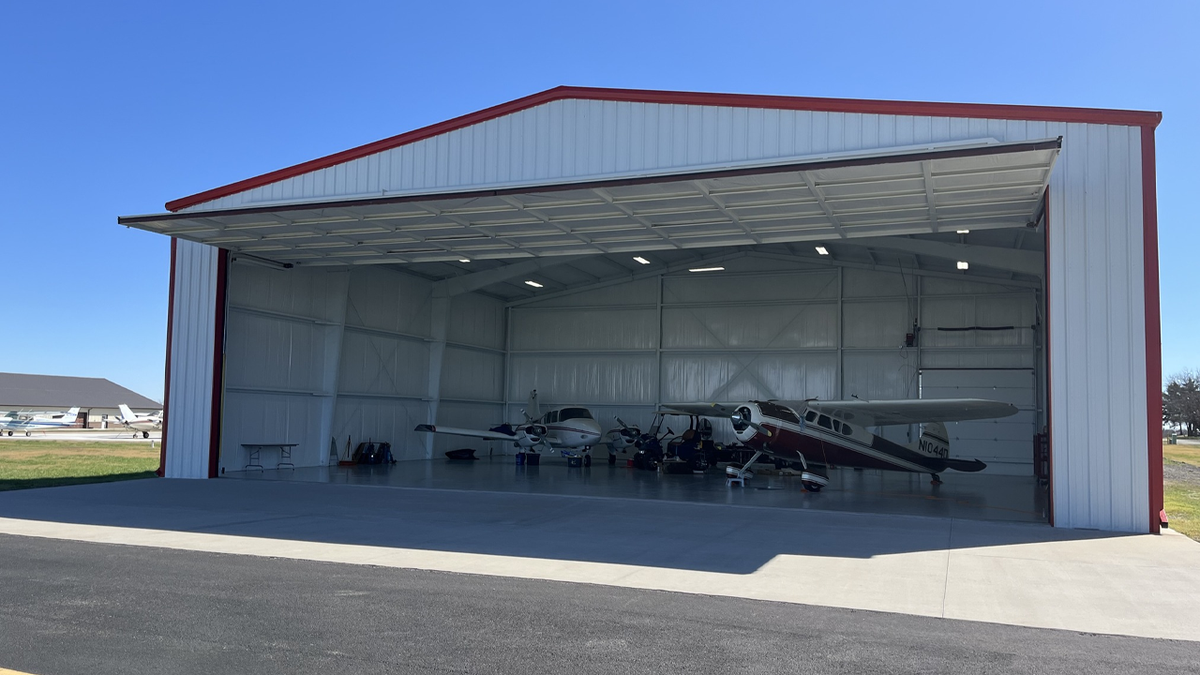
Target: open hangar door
<point>365,317</point>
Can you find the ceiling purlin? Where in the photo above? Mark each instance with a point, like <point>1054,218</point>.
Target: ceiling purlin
<point>523,208</point>
<point>820,196</point>
<point>721,207</point>
<point>604,194</point>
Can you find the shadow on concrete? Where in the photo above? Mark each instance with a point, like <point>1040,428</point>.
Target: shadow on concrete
<point>654,532</point>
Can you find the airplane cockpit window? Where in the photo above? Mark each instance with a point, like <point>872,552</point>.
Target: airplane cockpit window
<point>824,421</point>
<point>837,426</point>
<point>779,412</point>
<point>575,414</point>
<point>810,416</point>
<point>847,430</point>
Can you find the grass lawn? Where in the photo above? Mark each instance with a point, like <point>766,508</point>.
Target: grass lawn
<point>30,464</point>
<point>1181,488</point>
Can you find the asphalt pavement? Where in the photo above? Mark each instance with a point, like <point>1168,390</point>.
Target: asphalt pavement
<point>71,608</point>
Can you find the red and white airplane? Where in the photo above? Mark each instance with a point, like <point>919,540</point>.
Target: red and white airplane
<point>834,433</point>
<point>570,429</point>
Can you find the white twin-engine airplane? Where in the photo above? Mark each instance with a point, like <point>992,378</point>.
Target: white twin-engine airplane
<point>833,433</point>
<point>571,430</point>
<point>143,423</point>
<point>30,422</point>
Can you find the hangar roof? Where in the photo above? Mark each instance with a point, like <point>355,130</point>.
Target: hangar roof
<point>395,202</point>
<point>976,186</point>
<point>19,390</point>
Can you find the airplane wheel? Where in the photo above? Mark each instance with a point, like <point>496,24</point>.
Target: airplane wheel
<point>10,433</point>
<point>587,460</point>
<point>612,459</point>
<point>145,434</point>
<point>28,433</point>
<point>811,486</point>
<point>935,479</point>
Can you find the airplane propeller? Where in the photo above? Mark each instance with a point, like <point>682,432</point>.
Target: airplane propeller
<point>742,418</point>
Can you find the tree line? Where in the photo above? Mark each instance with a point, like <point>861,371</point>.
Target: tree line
<point>1181,402</point>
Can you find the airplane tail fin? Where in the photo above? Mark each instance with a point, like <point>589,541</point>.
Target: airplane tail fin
<point>126,413</point>
<point>935,442</point>
<point>71,416</point>
<point>532,409</point>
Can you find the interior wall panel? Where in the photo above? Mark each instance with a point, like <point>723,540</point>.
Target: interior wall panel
<point>472,374</point>
<point>476,320</point>
<point>372,363</point>
<point>362,418</point>
<point>272,353</point>
<point>584,329</point>
<point>607,378</point>
<point>778,326</point>
<point>389,301</point>
<point>318,294</point>
<point>259,417</point>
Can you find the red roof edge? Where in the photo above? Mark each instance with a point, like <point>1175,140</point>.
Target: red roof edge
<point>847,105</point>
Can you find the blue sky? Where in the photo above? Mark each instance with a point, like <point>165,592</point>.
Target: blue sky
<point>111,109</point>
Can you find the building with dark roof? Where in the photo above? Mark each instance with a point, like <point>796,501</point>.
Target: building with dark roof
<point>95,396</point>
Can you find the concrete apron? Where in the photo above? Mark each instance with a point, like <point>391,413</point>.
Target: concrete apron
<point>1026,575</point>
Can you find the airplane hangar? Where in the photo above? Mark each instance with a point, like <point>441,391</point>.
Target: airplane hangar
<point>625,249</point>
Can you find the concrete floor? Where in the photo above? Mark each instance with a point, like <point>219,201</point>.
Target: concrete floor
<point>1001,572</point>
<point>973,496</point>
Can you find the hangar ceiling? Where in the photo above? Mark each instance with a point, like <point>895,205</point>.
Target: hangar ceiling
<point>853,205</point>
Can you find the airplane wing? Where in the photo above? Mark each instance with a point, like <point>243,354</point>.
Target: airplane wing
<point>717,409</point>
<point>909,411</point>
<point>455,431</point>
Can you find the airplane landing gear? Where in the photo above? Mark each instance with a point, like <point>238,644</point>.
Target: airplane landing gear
<point>587,459</point>
<point>27,433</point>
<point>145,434</point>
<point>739,475</point>
<point>935,479</point>
<point>612,459</point>
<point>813,482</point>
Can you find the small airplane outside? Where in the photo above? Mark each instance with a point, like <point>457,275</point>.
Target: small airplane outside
<point>570,429</point>
<point>143,423</point>
<point>30,422</point>
<point>834,433</point>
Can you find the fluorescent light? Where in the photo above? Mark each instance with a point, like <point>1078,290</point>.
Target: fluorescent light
<point>532,283</point>
<point>822,250</point>
<point>464,260</point>
<point>962,231</point>
<point>963,264</point>
<point>641,260</point>
<point>706,269</point>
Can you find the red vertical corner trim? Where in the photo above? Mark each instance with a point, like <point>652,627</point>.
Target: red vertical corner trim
<point>1153,326</point>
<point>1049,355</point>
<point>218,385</point>
<point>162,443</point>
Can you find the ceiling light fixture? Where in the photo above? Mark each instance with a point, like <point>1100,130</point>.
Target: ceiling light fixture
<point>641,260</point>
<point>963,231</point>
<point>822,250</point>
<point>963,264</point>
<point>464,260</point>
<point>532,283</point>
<point>706,269</point>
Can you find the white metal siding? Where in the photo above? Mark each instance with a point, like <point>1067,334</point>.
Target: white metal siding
<point>192,348</point>
<point>1097,331</point>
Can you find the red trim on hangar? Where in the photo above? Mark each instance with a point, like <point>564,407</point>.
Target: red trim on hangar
<point>843,105</point>
<point>1153,327</point>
